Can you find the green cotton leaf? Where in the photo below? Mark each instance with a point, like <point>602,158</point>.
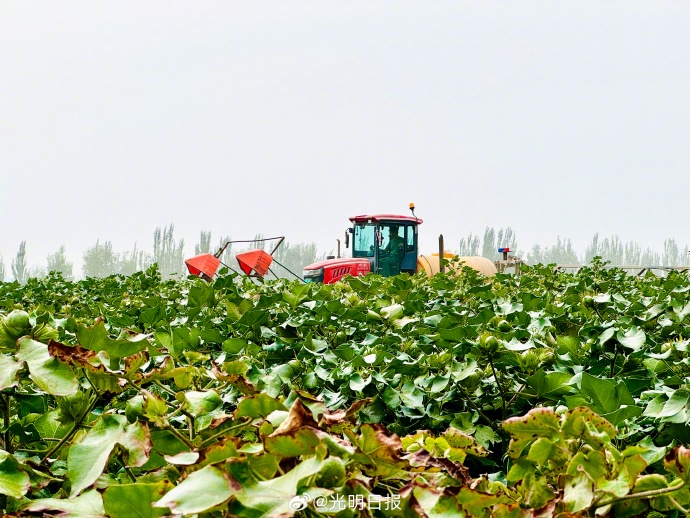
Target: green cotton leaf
<point>634,338</point>
<point>592,462</point>
<point>51,425</point>
<point>537,492</point>
<point>87,458</point>
<point>260,405</point>
<point>584,424</point>
<point>538,422</point>
<point>200,295</point>
<point>654,311</point>
<point>540,451</point>
<point>431,502</point>
<point>606,335</point>
<point>611,400</point>
<point>357,383</point>
<point>9,368</point>
<point>486,436</point>
<point>213,336</point>
<point>578,493</point>
<point>185,458</point>
<point>235,367</point>
<point>152,315</point>
<point>400,323</point>
<point>272,497</point>
<point>370,358</point>
<point>164,443</point>
<point>653,482</point>
<point>314,345</point>
<point>125,500</point>
<point>234,345</point>
<point>454,445</point>
<point>297,294</point>
<point>411,396</point>
<point>652,453</point>
<point>391,397</point>
<point>476,503</point>
<point>301,441</point>
<point>519,470</point>
<point>155,409</point>
<point>461,371</point>
<point>88,505</point>
<point>683,312</point>
<point>199,492</point>
<point>552,385</point>
<point>617,487</point>
<point>454,334</point>
<point>568,344</point>
<point>13,481</point>
<point>509,308</point>
<point>370,340</point>
<point>378,450</point>
<point>623,413</point>
<point>96,339</point>
<point>676,403</point>
<point>602,298</point>
<point>184,341</point>
<point>433,320</point>
<point>50,375</point>
<point>201,402</point>
<point>392,312</point>
<point>438,384</point>
<point>517,345</point>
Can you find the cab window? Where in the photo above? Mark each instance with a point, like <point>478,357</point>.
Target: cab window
<point>409,238</point>
<point>363,241</point>
<point>392,239</point>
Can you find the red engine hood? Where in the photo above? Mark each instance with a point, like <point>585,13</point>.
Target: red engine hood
<point>336,262</point>
<point>336,269</point>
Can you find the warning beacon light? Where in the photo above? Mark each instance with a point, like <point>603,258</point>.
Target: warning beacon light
<point>254,263</point>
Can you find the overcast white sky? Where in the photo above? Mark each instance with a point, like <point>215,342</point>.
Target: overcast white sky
<point>554,118</point>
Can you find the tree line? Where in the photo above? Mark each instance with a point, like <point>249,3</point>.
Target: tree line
<point>102,260</point>
<point>613,249</point>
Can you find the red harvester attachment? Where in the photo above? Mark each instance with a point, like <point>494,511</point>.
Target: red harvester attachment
<point>254,263</point>
<point>203,265</point>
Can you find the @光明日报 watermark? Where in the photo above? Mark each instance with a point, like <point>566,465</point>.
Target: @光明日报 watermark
<point>334,503</point>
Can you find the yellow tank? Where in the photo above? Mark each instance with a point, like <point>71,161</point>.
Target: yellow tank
<point>430,264</point>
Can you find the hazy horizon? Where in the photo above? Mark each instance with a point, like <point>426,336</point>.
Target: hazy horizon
<point>556,119</point>
<point>619,252</point>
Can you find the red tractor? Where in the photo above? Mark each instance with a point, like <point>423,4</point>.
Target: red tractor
<point>386,244</point>
<point>381,243</point>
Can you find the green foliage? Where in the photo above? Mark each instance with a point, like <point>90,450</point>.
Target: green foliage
<point>449,396</point>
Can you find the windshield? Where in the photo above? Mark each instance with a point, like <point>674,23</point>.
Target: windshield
<point>363,242</point>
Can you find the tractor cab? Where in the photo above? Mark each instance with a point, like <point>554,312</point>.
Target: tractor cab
<point>387,241</point>
<point>386,244</point>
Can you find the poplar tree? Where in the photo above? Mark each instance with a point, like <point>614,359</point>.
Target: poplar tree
<point>19,270</point>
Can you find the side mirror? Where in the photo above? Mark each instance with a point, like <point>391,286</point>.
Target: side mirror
<point>347,238</point>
